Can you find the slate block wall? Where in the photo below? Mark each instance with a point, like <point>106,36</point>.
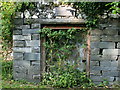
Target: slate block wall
<point>105,53</point>
<point>26,48</point>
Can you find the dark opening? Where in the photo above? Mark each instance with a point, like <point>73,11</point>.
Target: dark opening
<point>101,51</point>
<point>116,44</point>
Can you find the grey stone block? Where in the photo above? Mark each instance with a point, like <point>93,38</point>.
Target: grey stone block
<point>95,57</point>
<point>21,37</point>
<point>95,72</point>
<point>95,68</point>
<point>110,52</point>
<point>114,63</point>
<point>34,70</point>
<point>109,68</point>
<point>17,32</point>
<point>18,21</point>
<point>19,43</point>
<point>96,32</point>
<point>97,78</point>
<point>101,78</point>
<point>109,31</point>
<point>103,57</point>
<point>94,63</point>
<point>30,31</point>
<point>95,38</point>
<point>32,56</point>
<point>95,51</point>
<point>110,73</point>
<point>24,49</point>
<point>35,63</point>
<point>115,38</point>
<point>35,25</point>
<point>18,56</point>
<point>98,68</point>
<point>105,63</point>
<point>21,64</point>
<point>35,43</point>
<point>118,45</point>
<point>102,45</point>
<point>36,37</point>
<point>22,27</point>
<point>109,57</point>
<point>36,49</point>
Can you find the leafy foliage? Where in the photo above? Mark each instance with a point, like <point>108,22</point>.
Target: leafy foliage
<point>59,44</point>
<point>92,10</point>
<point>66,78</point>
<point>7,13</point>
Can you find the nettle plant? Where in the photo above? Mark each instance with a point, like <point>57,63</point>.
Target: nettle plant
<point>59,47</point>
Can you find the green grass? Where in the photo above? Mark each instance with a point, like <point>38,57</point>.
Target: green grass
<point>19,84</point>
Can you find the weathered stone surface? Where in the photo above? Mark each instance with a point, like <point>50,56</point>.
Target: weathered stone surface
<point>22,26</point>
<point>21,37</point>
<point>103,57</point>
<point>30,31</point>
<point>102,45</point>
<point>109,57</point>
<point>95,57</point>
<point>115,38</point>
<point>95,51</point>
<point>95,72</point>
<point>94,63</point>
<point>21,64</point>
<point>95,38</point>
<point>35,63</point>
<point>33,43</point>
<point>110,73</point>
<point>36,49</point>
<point>36,37</point>
<point>19,43</point>
<point>32,56</point>
<point>118,45</point>
<point>96,32</point>
<point>18,21</point>
<point>35,25</point>
<point>17,32</point>
<point>105,63</point>
<point>18,56</point>
<point>34,70</point>
<point>57,21</point>
<point>110,32</point>
<point>103,68</point>
<point>97,78</point>
<point>114,63</point>
<point>101,78</point>
<point>24,49</point>
<point>110,52</point>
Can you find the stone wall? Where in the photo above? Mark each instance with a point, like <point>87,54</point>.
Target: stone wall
<point>105,53</point>
<point>26,48</point>
<point>105,50</point>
